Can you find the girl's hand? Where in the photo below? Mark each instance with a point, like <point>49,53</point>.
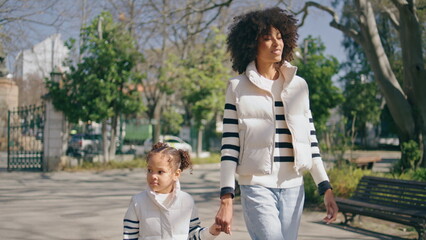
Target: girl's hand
<point>215,229</point>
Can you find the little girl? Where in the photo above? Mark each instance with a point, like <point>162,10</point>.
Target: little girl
<point>164,211</point>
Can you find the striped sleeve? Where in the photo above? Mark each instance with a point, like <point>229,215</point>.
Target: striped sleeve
<point>196,232</point>
<point>230,144</point>
<point>318,171</point>
<point>314,141</point>
<point>131,223</point>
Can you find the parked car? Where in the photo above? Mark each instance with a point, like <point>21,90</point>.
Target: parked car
<point>173,141</point>
<point>84,144</point>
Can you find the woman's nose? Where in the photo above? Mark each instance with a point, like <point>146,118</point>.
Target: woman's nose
<point>275,42</point>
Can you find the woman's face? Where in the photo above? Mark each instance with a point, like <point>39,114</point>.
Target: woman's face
<point>270,47</point>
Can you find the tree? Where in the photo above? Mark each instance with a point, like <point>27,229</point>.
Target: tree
<point>201,82</point>
<point>318,71</point>
<point>362,105</point>
<point>103,85</point>
<point>363,102</point>
<point>405,100</point>
<point>163,28</point>
<point>171,121</point>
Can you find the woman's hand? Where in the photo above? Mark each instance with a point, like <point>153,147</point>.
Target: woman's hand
<point>224,214</point>
<point>331,206</point>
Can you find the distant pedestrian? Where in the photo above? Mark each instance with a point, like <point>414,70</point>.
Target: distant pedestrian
<point>268,133</point>
<point>164,211</point>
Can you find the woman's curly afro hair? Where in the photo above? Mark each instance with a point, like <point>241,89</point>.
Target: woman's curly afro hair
<point>247,28</point>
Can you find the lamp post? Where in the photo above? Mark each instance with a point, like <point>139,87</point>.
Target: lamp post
<point>56,76</point>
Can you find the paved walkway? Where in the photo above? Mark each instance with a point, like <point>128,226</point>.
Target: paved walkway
<point>91,205</point>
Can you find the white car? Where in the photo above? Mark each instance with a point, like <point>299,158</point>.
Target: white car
<point>172,141</point>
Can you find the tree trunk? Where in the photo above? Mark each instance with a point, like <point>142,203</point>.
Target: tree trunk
<point>104,142</point>
<point>156,123</point>
<point>113,140</point>
<point>396,99</point>
<point>414,68</point>
<point>423,148</point>
<point>200,141</point>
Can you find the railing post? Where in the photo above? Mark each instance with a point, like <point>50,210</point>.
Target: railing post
<point>8,140</point>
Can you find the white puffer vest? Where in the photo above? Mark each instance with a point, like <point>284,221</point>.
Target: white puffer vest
<point>256,116</point>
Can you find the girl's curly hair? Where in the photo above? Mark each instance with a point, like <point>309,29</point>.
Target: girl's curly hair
<point>180,159</point>
<point>247,28</point>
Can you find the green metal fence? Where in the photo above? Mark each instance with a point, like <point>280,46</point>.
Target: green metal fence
<point>25,138</point>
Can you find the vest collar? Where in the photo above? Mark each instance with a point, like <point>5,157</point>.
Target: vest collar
<point>171,198</point>
<point>287,70</point>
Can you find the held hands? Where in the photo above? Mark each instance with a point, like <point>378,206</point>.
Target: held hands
<point>215,229</point>
<point>331,207</point>
<point>224,215</point>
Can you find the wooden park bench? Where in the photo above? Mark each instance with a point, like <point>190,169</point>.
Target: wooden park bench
<point>393,200</point>
<point>366,162</point>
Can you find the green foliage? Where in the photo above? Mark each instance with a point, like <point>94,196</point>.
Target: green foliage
<point>412,152</point>
<point>311,191</point>
<point>336,141</point>
<point>418,174</point>
<point>361,104</point>
<point>201,79</point>
<point>103,83</point>
<point>318,70</point>
<point>343,180</point>
<point>213,158</point>
<point>171,121</point>
<point>411,156</point>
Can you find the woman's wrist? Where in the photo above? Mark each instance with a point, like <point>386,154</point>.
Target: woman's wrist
<point>226,199</point>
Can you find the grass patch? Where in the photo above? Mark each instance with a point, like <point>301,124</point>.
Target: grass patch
<point>139,162</point>
<point>214,158</point>
<point>98,166</point>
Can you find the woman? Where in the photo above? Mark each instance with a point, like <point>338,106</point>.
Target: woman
<point>269,137</point>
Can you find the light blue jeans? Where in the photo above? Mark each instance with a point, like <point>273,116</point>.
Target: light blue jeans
<point>272,213</point>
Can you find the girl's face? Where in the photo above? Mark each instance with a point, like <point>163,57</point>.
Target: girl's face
<point>161,177</point>
<point>270,47</point>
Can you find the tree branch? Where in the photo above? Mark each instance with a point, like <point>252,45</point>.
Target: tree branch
<point>334,23</point>
<point>399,3</point>
<point>392,17</point>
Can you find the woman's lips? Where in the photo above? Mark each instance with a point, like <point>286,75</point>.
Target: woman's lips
<point>276,51</point>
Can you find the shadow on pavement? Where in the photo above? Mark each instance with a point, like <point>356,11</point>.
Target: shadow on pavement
<point>364,231</point>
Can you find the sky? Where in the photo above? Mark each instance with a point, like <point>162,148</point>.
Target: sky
<point>316,24</point>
